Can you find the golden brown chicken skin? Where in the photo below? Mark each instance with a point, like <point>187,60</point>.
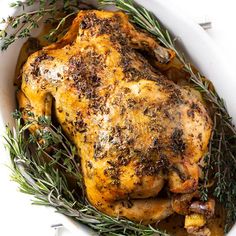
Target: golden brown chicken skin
<point>135,131</point>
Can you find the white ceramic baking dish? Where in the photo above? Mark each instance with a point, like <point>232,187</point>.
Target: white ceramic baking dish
<point>15,208</point>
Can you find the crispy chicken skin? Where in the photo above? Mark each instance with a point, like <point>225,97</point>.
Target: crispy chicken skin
<point>135,130</point>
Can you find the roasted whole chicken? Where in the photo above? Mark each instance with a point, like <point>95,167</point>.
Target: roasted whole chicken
<point>140,136</point>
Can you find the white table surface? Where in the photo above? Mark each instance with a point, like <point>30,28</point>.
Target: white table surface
<point>17,215</point>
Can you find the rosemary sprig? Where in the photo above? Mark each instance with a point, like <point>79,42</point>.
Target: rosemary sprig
<point>48,184</point>
<point>221,157</point>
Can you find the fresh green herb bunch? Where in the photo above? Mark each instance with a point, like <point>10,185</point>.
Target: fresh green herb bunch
<point>47,173</point>
<point>220,161</point>
<point>51,12</point>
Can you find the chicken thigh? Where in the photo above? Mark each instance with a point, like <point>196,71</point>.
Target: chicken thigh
<point>137,133</point>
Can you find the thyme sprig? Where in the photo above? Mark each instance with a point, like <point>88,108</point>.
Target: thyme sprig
<point>51,11</point>
<point>221,156</point>
<point>48,183</point>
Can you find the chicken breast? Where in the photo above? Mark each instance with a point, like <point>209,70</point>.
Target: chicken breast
<point>135,131</point>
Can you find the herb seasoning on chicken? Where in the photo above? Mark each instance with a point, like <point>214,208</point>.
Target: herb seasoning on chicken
<point>135,130</point>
